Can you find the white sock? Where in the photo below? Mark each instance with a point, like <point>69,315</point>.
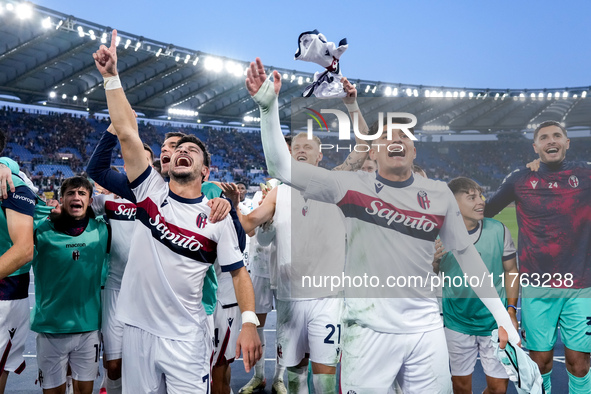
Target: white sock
<point>279,372</point>
<point>297,380</point>
<point>324,383</point>
<point>259,367</point>
<point>114,386</point>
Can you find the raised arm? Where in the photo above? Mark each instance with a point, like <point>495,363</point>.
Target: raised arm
<point>122,116</point>
<point>355,159</point>
<point>99,166</point>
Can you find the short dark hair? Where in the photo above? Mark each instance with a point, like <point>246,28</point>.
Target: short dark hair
<point>241,183</point>
<point>173,134</point>
<point>373,129</point>
<point>463,185</point>
<point>199,143</point>
<point>147,148</point>
<point>2,141</point>
<point>288,139</point>
<point>74,183</point>
<point>549,123</point>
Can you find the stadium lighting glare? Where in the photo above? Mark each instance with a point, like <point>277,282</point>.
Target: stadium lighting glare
<point>367,88</point>
<point>388,91</point>
<point>584,94</point>
<point>187,58</point>
<point>556,94</point>
<point>532,95</point>
<point>427,93</point>
<point>182,112</point>
<point>540,95</point>
<point>92,35</point>
<point>74,98</point>
<point>549,96</point>
<point>374,89</point>
<point>9,7</point>
<point>177,58</point>
<point>127,43</point>
<point>300,80</point>
<point>456,94</point>
<point>59,24</point>
<point>196,60</point>
<point>234,68</point>
<point>46,23</point>
<point>117,40</point>
<point>448,94</point>
<point>198,120</point>
<point>292,77</point>
<point>395,92</point>
<point>462,94</point>
<point>471,94</point>
<point>408,92</point>
<point>308,79</point>
<point>415,92</point>
<point>52,94</point>
<point>214,64</point>
<point>158,52</point>
<point>84,99</point>
<point>565,95</point>
<point>138,45</point>
<point>45,103</point>
<point>23,11</point>
<point>64,96</point>
<point>249,119</point>
<point>103,37</point>
<point>284,76</point>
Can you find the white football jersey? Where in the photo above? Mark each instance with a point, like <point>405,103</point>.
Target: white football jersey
<point>391,227</point>
<point>121,216</point>
<point>172,247</point>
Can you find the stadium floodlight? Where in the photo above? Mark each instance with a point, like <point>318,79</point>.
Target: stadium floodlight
<point>213,64</point>
<point>395,92</point>
<point>196,60</point>
<point>177,58</point>
<point>415,92</point>
<point>292,77</point>
<point>408,92</point>
<point>84,99</point>
<point>448,94</point>
<point>374,89</point>
<point>470,94</point>
<point>367,88</point>
<point>549,95</point>
<point>285,75</point>
<point>158,52</point>
<point>300,80</point>
<point>127,43</point>
<point>388,91</point>
<point>46,23</point>
<point>103,37</point>
<point>556,94</point>
<point>584,94</point>
<point>182,112</point>
<point>427,93</point>
<point>138,45</point>
<point>23,10</point>
<point>565,95</point>
<point>540,95</point>
<point>64,96</point>
<point>532,95</point>
<point>308,79</point>
<point>456,94</point>
<point>187,58</point>
<point>92,34</point>
<point>74,98</point>
<point>462,94</point>
<point>52,94</point>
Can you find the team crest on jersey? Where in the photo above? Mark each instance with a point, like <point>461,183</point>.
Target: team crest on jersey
<point>305,210</point>
<point>201,220</point>
<point>573,181</point>
<point>423,199</point>
<point>76,255</point>
<point>379,187</point>
<point>351,392</point>
<point>533,184</point>
<point>279,351</point>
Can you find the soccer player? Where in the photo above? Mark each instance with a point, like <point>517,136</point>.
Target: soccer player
<point>392,220</point>
<point>468,324</point>
<point>554,254</point>
<point>16,250</point>
<point>72,249</point>
<point>308,320</point>
<point>166,343</point>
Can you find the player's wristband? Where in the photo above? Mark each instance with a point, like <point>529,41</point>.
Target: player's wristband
<point>250,317</point>
<point>112,83</point>
<point>353,107</point>
<point>512,306</point>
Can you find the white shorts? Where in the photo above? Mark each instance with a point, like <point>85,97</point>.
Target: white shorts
<point>263,295</point>
<point>14,329</point>
<point>112,328</point>
<point>463,350</point>
<point>372,361</point>
<point>227,324</point>
<point>309,327</point>
<point>56,351</point>
<point>152,364</point>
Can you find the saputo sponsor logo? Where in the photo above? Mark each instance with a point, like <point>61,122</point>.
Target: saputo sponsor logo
<point>379,209</point>
<point>176,239</point>
<point>124,210</point>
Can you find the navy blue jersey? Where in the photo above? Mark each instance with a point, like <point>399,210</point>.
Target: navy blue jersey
<point>554,218</point>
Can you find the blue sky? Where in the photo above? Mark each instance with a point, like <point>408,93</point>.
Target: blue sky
<point>476,44</point>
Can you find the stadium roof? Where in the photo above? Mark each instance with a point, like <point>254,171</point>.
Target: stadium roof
<point>46,57</point>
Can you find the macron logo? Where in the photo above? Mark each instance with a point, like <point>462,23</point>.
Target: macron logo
<point>379,187</point>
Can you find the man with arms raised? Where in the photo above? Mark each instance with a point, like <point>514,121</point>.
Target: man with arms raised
<point>554,254</point>
<point>402,215</point>
<point>166,345</point>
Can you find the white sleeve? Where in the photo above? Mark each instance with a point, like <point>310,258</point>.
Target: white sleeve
<point>472,265</point>
<point>453,232</point>
<point>509,247</point>
<point>98,204</point>
<point>228,250</point>
<point>147,184</point>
